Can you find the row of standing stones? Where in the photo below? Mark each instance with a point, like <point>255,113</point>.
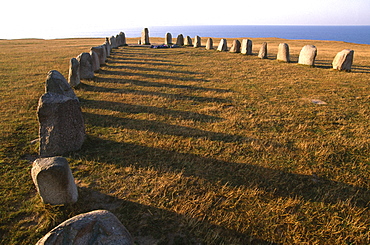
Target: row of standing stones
<point>62,130</point>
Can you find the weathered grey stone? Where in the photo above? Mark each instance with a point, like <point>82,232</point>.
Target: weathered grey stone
<point>209,44</point>
<point>263,51</point>
<point>307,55</point>
<point>54,180</point>
<point>107,46</point>
<point>95,60</point>
<point>222,46</point>
<point>74,73</point>
<point>197,42</point>
<point>101,51</point>
<point>59,113</point>
<point>96,227</point>
<point>113,42</point>
<point>343,60</point>
<point>180,40</point>
<point>283,53</point>
<point>168,39</point>
<point>247,47</point>
<point>188,41</point>
<point>145,37</point>
<point>123,39</point>
<point>86,68</point>
<point>235,47</point>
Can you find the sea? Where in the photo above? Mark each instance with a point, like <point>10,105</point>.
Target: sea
<point>351,34</point>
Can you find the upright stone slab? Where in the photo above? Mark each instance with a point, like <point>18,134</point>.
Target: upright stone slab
<point>263,51</point>
<point>145,37</point>
<point>247,47</point>
<point>307,55</point>
<point>168,39</point>
<point>197,42</point>
<point>86,66</point>
<point>209,44</point>
<point>95,61</point>
<point>107,46</point>
<point>101,51</point>
<point>235,47</point>
<point>61,122</point>
<point>95,227</point>
<point>113,42</point>
<point>74,73</point>
<point>343,60</point>
<point>283,53</point>
<point>180,40</point>
<point>188,41</point>
<point>123,39</point>
<point>222,46</point>
<point>54,180</point>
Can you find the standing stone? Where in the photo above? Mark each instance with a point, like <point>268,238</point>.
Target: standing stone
<point>107,46</point>
<point>222,46</point>
<point>246,47</point>
<point>307,55</point>
<point>343,60</point>
<point>188,41</point>
<point>209,44</point>
<point>145,37</point>
<point>59,113</point>
<point>197,42</point>
<point>235,47</point>
<point>74,73</point>
<point>95,227</point>
<point>86,67</point>
<point>101,51</point>
<point>263,51</point>
<point>123,39</point>
<point>95,61</point>
<point>168,39</point>
<point>54,180</point>
<point>113,42</point>
<point>283,53</point>
<point>180,40</point>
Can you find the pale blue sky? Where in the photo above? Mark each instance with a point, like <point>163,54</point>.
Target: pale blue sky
<point>50,19</point>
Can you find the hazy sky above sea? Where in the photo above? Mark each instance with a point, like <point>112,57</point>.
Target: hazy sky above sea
<point>53,19</point>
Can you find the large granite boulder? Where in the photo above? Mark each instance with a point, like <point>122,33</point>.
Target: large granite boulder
<point>209,44</point>
<point>222,46</point>
<point>283,53</point>
<point>307,55</point>
<point>263,51</point>
<point>74,73</point>
<point>180,40</point>
<point>54,180</point>
<point>101,52</point>
<point>343,60</point>
<point>59,113</point>
<point>95,61</point>
<point>145,37</point>
<point>235,47</point>
<point>246,47</point>
<point>95,227</point>
<point>197,42</point>
<point>168,39</point>
<point>86,66</point>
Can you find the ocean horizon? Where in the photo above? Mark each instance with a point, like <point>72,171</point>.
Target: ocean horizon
<point>351,34</point>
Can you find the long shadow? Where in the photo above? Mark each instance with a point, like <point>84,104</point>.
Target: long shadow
<point>277,182</point>
<point>143,62</point>
<point>136,68</point>
<point>88,87</point>
<point>137,109</point>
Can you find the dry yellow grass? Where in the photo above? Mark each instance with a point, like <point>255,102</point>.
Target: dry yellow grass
<point>188,146</point>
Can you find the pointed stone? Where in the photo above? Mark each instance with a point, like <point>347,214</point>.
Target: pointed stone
<point>188,41</point>
<point>222,46</point>
<point>235,47</point>
<point>74,73</point>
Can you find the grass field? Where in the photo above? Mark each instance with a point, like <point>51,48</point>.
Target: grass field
<point>189,146</point>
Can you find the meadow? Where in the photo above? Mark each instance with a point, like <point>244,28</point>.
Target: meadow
<point>192,146</point>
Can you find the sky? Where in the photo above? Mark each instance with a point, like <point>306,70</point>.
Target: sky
<point>69,18</point>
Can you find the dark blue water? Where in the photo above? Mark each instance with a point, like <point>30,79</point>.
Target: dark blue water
<point>353,34</point>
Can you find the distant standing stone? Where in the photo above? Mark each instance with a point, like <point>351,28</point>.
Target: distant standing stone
<point>101,51</point>
<point>307,55</point>
<point>283,52</point>
<point>86,67</point>
<point>222,46</point>
<point>263,51</point>
<point>209,44</point>
<point>54,180</point>
<point>343,60</point>
<point>188,41</point>
<point>197,42</point>
<point>145,37</point>
<point>95,227</point>
<point>168,39</point>
<point>235,47</point>
<point>95,61</point>
<point>123,39</point>
<point>113,42</point>
<point>246,47</point>
<point>180,40</point>
<point>74,73</point>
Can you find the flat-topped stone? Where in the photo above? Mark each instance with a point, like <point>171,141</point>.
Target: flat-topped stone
<point>343,60</point>
<point>307,55</point>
